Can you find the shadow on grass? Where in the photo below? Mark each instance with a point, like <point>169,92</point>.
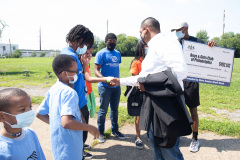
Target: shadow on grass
<point>2,73</point>
<point>220,144</point>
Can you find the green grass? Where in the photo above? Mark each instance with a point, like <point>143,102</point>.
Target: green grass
<point>221,127</point>
<point>212,96</point>
<point>37,100</point>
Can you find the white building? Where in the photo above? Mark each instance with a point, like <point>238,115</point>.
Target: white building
<point>7,48</point>
<point>37,53</point>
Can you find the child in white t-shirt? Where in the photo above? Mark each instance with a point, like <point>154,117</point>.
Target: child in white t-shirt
<point>16,141</point>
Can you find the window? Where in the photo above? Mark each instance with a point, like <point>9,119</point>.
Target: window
<point>14,47</point>
<point>4,48</point>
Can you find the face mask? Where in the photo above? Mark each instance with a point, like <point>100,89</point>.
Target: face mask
<point>111,46</point>
<point>146,50</point>
<point>142,39</point>
<point>81,51</point>
<point>180,35</point>
<point>23,120</point>
<point>75,78</point>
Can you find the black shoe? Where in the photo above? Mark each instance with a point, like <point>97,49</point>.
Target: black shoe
<point>139,143</point>
<point>87,155</point>
<point>119,135</point>
<point>86,146</point>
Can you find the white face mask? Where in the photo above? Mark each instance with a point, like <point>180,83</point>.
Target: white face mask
<point>75,78</point>
<point>23,120</point>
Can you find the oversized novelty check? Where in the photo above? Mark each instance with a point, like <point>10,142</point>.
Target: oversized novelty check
<point>208,65</point>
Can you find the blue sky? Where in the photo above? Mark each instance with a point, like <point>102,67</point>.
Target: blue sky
<point>57,17</point>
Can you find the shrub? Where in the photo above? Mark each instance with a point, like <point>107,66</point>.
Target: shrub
<point>42,54</point>
<point>33,54</point>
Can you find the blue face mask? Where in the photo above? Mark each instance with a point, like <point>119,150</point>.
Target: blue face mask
<point>146,50</point>
<point>81,51</point>
<point>23,120</point>
<point>180,35</point>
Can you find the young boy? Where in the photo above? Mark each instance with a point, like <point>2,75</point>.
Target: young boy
<point>60,109</point>
<point>16,141</point>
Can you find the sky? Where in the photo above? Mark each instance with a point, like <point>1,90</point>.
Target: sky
<point>57,17</point>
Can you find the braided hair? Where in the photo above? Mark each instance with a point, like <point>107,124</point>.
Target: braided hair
<point>80,32</point>
<point>139,52</point>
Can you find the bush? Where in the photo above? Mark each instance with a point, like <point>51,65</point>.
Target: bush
<point>17,54</point>
<point>42,54</point>
<point>33,54</point>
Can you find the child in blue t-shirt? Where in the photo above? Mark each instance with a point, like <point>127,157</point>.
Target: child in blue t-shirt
<point>60,109</point>
<point>16,141</point>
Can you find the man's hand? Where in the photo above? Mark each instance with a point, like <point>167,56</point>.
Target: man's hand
<point>212,43</point>
<point>94,131</point>
<point>141,87</point>
<point>114,82</point>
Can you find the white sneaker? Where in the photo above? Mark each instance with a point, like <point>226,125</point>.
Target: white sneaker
<point>194,146</point>
<point>101,138</point>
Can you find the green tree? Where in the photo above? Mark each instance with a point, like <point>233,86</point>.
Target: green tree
<point>229,40</point>
<point>202,34</point>
<point>126,45</point>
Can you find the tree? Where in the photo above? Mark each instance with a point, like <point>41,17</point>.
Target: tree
<point>203,35</point>
<point>126,45</point>
<point>229,40</point>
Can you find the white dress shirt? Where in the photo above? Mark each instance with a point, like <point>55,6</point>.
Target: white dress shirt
<point>163,52</point>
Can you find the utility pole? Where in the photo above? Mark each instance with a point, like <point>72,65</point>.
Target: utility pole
<point>10,47</point>
<point>107,26</point>
<point>223,20</point>
<point>40,39</point>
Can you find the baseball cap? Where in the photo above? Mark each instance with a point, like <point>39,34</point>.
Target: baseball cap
<point>180,25</point>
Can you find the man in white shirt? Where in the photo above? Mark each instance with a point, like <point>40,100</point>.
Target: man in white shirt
<point>163,52</point>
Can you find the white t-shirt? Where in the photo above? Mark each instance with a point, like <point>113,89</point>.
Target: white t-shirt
<point>24,147</point>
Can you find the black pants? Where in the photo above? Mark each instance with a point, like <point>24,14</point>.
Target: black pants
<point>85,114</point>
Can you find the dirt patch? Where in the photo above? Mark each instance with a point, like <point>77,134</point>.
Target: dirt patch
<point>232,115</point>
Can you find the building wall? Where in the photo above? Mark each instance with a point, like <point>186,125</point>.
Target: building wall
<point>5,48</point>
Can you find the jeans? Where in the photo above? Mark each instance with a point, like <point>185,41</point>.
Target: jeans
<point>112,96</point>
<point>85,114</point>
<point>160,153</point>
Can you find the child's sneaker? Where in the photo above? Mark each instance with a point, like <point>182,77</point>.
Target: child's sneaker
<point>119,135</point>
<point>101,138</point>
<point>87,155</point>
<point>86,146</point>
<point>138,143</point>
<point>194,146</point>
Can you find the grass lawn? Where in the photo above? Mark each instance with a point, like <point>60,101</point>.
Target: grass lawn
<point>212,97</point>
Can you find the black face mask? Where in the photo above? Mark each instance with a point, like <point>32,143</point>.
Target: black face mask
<point>111,46</point>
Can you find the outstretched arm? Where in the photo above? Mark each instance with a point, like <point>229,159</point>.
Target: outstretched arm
<point>68,122</point>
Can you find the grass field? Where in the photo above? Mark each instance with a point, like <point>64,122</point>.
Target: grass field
<point>213,97</point>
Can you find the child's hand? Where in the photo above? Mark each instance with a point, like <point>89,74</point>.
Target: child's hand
<point>94,131</point>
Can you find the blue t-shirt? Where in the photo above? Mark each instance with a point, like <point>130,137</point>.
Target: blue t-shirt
<point>62,100</point>
<point>25,147</point>
<point>80,85</point>
<point>109,60</point>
